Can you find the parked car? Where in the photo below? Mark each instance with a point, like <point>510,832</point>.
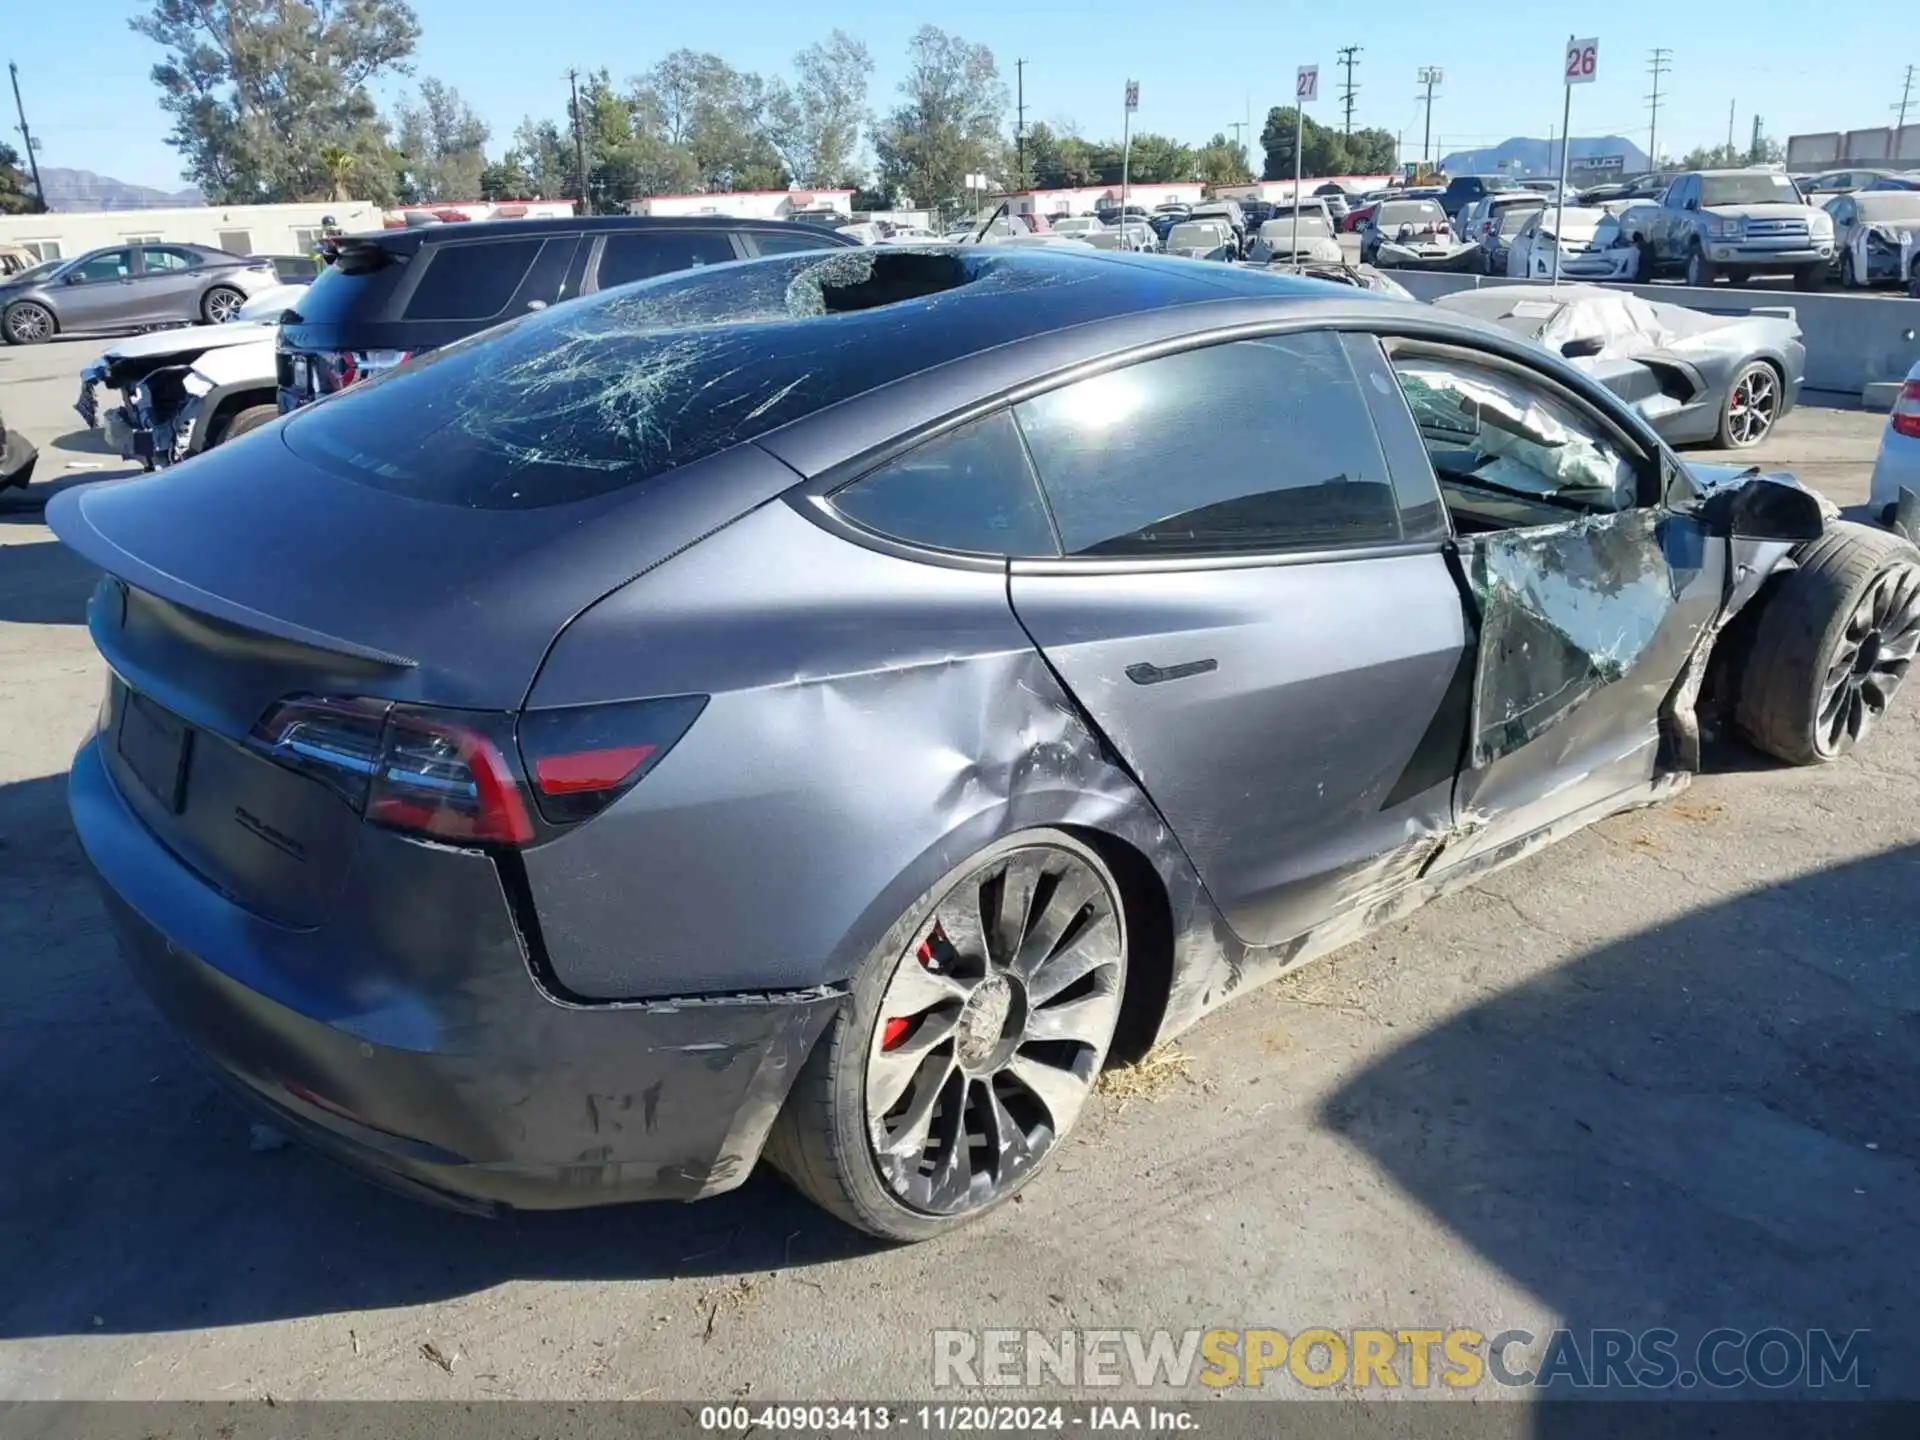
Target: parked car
<point>1134,235</point>
<point>1838,182</point>
<point>183,391</point>
<point>1868,229</point>
<point>1909,181</point>
<point>125,287</point>
<point>1650,186</point>
<point>1203,240</point>
<point>17,260</point>
<point>1530,249</point>
<point>1609,252</point>
<point>1079,226</point>
<point>1305,239</point>
<point>17,458</point>
<point>1897,466</point>
<point>767,739</point>
<point>399,293</point>
<point>1462,190</point>
<point>1417,222</point>
<point>1491,222</point>
<point>1698,379</point>
<point>1227,212</point>
<point>1338,201</point>
<point>1357,217</point>
<point>1736,223</point>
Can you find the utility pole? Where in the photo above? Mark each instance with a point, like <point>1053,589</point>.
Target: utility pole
<point>33,160</point>
<point>1753,150</point>
<point>1349,89</point>
<point>1906,94</point>
<point>1239,128</point>
<point>579,142</point>
<point>1729,132</point>
<point>1429,76</point>
<point>1020,124</point>
<point>1659,63</point>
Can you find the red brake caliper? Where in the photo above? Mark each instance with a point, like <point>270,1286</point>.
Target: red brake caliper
<point>895,1030</point>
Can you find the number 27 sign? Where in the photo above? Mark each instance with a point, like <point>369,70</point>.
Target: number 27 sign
<point>1582,58</point>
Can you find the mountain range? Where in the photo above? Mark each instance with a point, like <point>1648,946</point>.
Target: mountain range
<point>1522,156</point>
<point>84,190</point>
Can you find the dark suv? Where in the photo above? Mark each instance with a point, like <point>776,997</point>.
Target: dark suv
<point>1463,190</point>
<point>395,294</point>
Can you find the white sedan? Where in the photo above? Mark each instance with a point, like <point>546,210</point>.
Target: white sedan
<point>1530,253</point>
<point>1898,466</point>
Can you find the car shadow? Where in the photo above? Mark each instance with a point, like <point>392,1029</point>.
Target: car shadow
<point>86,442</point>
<point>42,582</point>
<point>1715,1122</point>
<point>135,1199</point>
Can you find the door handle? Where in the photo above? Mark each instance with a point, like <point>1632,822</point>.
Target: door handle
<point>1145,674</point>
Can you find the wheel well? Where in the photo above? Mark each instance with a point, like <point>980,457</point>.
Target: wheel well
<point>231,405</point>
<point>52,315</point>
<point>1149,948</point>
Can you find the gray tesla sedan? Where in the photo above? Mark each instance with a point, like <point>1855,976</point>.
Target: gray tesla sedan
<point>827,707</point>
<point>124,287</point>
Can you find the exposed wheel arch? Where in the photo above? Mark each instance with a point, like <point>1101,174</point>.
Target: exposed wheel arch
<point>1149,982</point>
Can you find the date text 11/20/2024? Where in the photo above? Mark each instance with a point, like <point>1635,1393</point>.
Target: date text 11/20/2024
<point>945,1419</point>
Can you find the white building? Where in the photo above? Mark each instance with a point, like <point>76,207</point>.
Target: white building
<point>242,229</point>
<point>748,204</point>
<point>1087,199</point>
<point>454,211</point>
<point>1282,190</point>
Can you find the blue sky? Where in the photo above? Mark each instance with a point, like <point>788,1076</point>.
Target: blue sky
<point>1202,64</point>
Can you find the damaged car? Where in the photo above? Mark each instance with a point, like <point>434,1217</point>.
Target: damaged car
<point>185,391</point>
<point>850,699</point>
<point>1698,379</point>
<point>1415,235</point>
<point>1869,229</point>
<point>1361,277</point>
<point>1576,231</point>
<point>1307,238</point>
<point>1202,240</point>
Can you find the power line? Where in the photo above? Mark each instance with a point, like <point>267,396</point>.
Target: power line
<point>26,136</point>
<point>1347,54</point>
<point>1659,64</point>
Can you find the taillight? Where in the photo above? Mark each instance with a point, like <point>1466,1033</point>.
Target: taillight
<point>1906,410</point>
<point>584,757</point>
<point>425,772</point>
<point>335,370</point>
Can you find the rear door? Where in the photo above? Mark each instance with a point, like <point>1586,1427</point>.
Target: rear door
<point>1589,595</point>
<point>167,284</point>
<point>1266,632</point>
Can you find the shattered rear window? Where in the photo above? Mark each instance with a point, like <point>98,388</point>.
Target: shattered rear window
<point>613,390</point>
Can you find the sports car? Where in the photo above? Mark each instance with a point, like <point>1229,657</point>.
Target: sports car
<point>1698,379</point>
<point>826,707</point>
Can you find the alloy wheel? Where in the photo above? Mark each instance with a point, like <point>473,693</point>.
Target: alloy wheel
<point>29,324</point>
<point>992,1030</point>
<point>223,306</point>
<point>1871,660</point>
<point>1753,405</point>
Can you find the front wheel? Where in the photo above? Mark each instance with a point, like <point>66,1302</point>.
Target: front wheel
<point>28,324</point>
<point>1831,646</point>
<point>1849,280</point>
<point>1700,271</point>
<point>975,1032</point>
<point>221,304</point>
<point>1751,407</point>
<point>1810,277</point>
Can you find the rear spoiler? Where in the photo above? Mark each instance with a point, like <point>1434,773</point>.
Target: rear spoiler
<point>67,517</point>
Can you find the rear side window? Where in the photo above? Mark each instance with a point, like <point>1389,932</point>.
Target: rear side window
<point>969,490</point>
<point>789,242</point>
<point>626,258</point>
<point>471,282</point>
<point>1251,446</point>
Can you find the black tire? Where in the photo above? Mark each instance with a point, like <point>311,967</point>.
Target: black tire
<point>1700,271</point>
<point>1649,268</point>
<point>821,1141</point>
<point>28,323</point>
<point>1745,417</point>
<point>1811,625</point>
<point>241,421</point>
<point>1848,279</point>
<point>1811,277</point>
<point>221,303</point>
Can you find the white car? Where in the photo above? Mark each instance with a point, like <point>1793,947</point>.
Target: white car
<point>1898,465</point>
<point>1079,226</point>
<point>1311,241</point>
<point>1530,253</point>
<point>187,390</point>
<point>1201,240</point>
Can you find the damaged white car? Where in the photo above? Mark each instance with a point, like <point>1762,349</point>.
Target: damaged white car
<point>1584,252</point>
<point>184,391</point>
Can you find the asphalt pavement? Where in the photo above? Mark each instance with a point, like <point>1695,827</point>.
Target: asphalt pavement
<point>1663,1074</point>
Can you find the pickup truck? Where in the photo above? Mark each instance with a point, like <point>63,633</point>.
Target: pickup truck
<point>1735,223</point>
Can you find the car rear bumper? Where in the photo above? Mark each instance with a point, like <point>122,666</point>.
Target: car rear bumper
<point>449,1073</point>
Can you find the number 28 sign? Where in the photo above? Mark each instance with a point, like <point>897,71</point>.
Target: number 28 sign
<point>1582,58</point>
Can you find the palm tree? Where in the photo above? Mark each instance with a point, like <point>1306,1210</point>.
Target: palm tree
<point>338,162</point>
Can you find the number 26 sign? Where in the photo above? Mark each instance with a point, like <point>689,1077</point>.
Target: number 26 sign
<point>1582,58</point>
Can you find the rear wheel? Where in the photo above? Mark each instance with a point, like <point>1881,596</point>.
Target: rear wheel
<point>26,323</point>
<point>975,1033</point>
<point>1832,645</point>
<point>1700,271</point>
<point>1810,277</point>
<point>1752,405</point>
<point>221,304</point>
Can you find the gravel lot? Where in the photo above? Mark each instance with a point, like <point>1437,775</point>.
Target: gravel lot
<point>1663,1074</point>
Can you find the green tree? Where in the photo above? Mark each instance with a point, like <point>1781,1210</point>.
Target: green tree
<point>1714,157</point>
<point>1159,158</point>
<point>1372,152</point>
<point>16,198</point>
<point>1324,151</point>
<point>1222,162</point>
<point>718,117</point>
<point>258,88</point>
<point>441,145</point>
<point>815,123</point>
<point>948,123</point>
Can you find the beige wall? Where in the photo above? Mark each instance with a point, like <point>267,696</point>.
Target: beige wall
<point>246,229</point>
